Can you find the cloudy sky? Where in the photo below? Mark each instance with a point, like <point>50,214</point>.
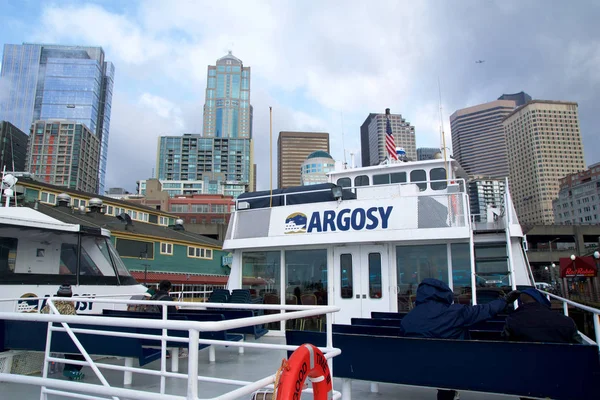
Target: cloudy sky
<point>322,65</point>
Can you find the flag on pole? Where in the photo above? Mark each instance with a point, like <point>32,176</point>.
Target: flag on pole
<point>390,143</point>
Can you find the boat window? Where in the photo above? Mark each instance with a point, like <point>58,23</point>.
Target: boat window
<point>491,265</point>
<point>125,277</point>
<point>438,174</point>
<point>398,177</point>
<point>306,276</point>
<point>344,182</point>
<point>381,179</point>
<point>461,272</point>
<point>361,180</point>
<point>8,255</point>
<point>346,276</point>
<point>419,176</point>
<point>415,263</point>
<point>375,290</point>
<point>261,274</point>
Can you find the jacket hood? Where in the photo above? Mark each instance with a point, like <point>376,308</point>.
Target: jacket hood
<point>537,296</point>
<point>434,290</point>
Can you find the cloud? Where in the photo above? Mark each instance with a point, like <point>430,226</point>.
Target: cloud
<point>313,61</point>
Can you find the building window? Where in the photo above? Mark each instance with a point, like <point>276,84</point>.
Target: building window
<point>48,198</point>
<point>135,249</point>
<point>199,252</point>
<point>166,248</point>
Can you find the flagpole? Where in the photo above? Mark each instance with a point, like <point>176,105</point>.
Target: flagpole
<point>271,155</point>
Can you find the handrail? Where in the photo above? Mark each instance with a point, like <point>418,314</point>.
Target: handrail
<point>53,386</point>
<point>354,188</point>
<point>595,312</point>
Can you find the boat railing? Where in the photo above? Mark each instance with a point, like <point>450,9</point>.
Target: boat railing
<point>355,189</point>
<point>195,295</point>
<point>192,378</point>
<point>594,311</point>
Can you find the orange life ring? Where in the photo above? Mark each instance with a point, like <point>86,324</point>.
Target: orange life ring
<point>306,361</point>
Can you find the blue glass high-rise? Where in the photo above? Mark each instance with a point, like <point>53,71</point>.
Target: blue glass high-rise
<point>46,82</point>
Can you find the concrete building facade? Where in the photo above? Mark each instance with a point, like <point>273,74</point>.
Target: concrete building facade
<point>372,138</point>
<point>520,98</point>
<point>478,140</point>
<point>544,144</point>
<point>292,150</point>
<point>64,153</point>
<point>13,147</point>
<point>578,201</point>
<point>427,153</point>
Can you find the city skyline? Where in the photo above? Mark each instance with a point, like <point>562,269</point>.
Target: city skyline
<point>332,78</point>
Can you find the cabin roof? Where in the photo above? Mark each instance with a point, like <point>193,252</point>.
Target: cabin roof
<point>96,219</point>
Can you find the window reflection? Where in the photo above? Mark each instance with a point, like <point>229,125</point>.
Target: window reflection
<point>461,272</point>
<point>415,263</point>
<point>306,274</point>
<point>346,276</point>
<point>375,290</point>
<point>261,274</point>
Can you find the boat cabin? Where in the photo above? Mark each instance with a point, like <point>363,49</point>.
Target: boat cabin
<point>366,240</point>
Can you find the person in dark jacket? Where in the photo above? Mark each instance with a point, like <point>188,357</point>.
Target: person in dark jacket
<point>162,294</point>
<point>435,316</point>
<point>534,321</point>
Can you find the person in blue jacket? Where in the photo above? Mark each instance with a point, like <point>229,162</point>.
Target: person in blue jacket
<point>435,316</point>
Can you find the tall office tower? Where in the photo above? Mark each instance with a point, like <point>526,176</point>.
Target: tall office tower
<point>228,115</point>
<point>205,165</point>
<point>292,150</point>
<point>578,201</point>
<point>372,138</point>
<point>478,141</point>
<point>520,98</point>
<point>483,193</point>
<point>64,153</point>
<point>544,145</point>
<point>13,147</point>
<point>427,153</point>
<point>48,82</point>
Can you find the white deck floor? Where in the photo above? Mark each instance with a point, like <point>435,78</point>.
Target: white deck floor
<point>252,365</point>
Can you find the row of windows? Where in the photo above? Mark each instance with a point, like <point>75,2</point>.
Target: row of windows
<point>199,252</point>
<point>437,176</point>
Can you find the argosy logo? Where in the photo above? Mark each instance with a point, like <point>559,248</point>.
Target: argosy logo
<point>348,219</point>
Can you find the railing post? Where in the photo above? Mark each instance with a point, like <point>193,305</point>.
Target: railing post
<point>329,327</point>
<point>192,389</point>
<point>566,308</point>
<point>597,329</point>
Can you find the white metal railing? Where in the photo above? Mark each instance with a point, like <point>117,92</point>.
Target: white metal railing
<point>105,389</point>
<point>566,303</point>
<point>191,295</point>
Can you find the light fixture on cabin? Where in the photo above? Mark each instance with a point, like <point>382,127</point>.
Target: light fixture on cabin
<point>243,205</point>
<point>337,192</point>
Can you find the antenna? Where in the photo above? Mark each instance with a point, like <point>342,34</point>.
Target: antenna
<point>343,141</point>
<point>442,128</point>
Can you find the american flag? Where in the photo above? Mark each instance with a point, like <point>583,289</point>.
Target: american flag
<point>390,143</point>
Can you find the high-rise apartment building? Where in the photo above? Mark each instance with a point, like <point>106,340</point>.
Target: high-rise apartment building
<point>208,165</point>
<point>48,82</point>
<point>520,98</point>
<point>13,147</point>
<point>292,150</point>
<point>544,144</point>
<point>485,192</point>
<point>478,141</point>
<point>427,153</point>
<point>372,138</point>
<point>64,153</point>
<point>578,201</point>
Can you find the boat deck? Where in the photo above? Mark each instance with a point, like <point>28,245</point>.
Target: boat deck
<point>252,365</point>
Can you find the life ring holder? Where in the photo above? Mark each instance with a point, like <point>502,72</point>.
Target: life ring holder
<point>307,361</point>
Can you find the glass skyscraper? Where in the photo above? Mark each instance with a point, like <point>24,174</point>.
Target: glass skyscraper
<point>50,82</point>
<point>227,110</point>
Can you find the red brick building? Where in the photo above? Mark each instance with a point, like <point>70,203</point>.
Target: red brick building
<point>202,208</point>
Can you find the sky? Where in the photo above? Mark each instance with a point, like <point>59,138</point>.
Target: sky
<point>321,65</point>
